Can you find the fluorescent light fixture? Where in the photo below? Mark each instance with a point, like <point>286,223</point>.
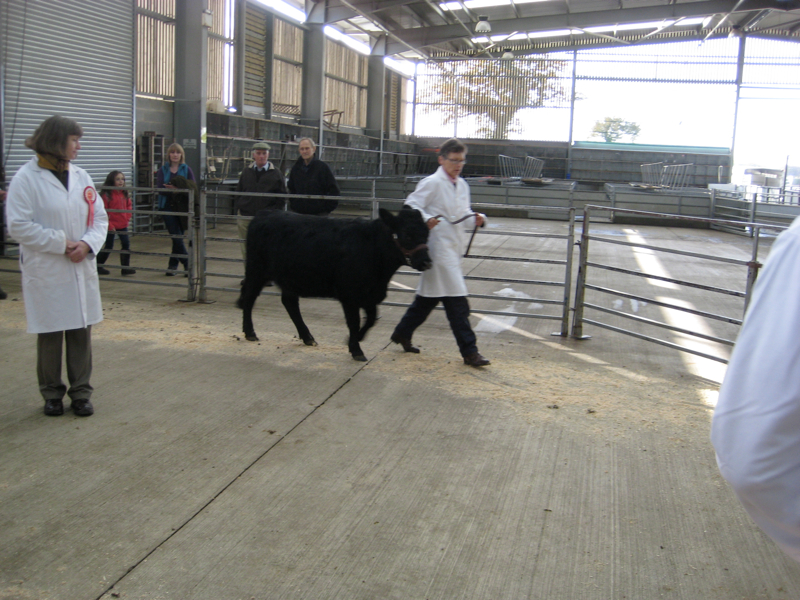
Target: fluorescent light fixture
<point>629,26</point>
<point>404,67</point>
<point>337,35</point>
<point>552,33</point>
<point>691,22</point>
<point>475,4</point>
<point>483,25</point>
<point>285,9</point>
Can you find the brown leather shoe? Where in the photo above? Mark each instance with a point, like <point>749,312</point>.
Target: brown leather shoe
<point>405,343</point>
<point>476,360</point>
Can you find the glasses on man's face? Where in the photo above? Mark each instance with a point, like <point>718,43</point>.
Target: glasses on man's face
<point>456,161</point>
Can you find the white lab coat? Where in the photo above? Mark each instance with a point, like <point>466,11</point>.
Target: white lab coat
<point>42,215</point>
<point>756,424</point>
<point>437,195</point>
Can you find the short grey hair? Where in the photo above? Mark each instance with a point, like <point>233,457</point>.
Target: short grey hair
<point>310,141</point>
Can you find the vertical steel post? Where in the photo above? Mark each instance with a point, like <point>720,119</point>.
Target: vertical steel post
<point>374,202</point>
<point>712,209</point>
<point>568,276</point>
<point>752,269</point>
<point>193,242</point>
<point>202,251</point>
<point>571,115</point>
<point>580,289</point>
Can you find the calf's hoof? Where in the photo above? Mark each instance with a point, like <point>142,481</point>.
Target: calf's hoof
<point>251,338</point>
<point>360,357</point>
<point>310,342</point>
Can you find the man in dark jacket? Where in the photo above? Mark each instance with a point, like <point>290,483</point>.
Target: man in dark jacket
<point>312,177</point>
<point>261,177</point>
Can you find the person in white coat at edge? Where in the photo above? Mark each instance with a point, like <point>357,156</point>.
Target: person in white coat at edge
<point>53,212</point>
<point>756,425</point>
<point>447,195</point>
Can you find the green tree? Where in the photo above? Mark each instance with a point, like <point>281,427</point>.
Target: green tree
<point>611,129</point>
<point>493,90</point>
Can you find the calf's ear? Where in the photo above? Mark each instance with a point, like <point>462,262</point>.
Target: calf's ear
<point>388,218</point>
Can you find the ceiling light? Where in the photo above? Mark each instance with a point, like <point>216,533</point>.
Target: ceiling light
<point>507,54</point>
<point>483,25</point>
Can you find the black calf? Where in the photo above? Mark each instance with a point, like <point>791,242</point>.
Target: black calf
<point>315,257</point>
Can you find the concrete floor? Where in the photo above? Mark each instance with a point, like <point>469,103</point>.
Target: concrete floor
<point>216,468</point>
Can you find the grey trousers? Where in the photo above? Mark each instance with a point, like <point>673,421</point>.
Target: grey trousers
<point>79,364</point>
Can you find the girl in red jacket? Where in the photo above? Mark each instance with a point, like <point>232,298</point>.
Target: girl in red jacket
<point>116,199</point>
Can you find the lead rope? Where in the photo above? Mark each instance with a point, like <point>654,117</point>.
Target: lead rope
<point>461,220</point>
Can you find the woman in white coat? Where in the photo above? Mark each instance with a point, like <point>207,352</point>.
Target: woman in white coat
<point>53,212</point>
<point>756,425</point>
<point>444,194</point>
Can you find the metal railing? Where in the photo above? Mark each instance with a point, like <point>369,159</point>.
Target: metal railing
<point>582,285</point>
<point>660,175</point>
<point>510,167</point>
<point>369,208</point>
<point>532,168</point>
<point>189,235</point>
<point>514,169</point>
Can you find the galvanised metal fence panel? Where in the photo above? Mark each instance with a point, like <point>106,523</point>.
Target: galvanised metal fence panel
<point>583,284</point>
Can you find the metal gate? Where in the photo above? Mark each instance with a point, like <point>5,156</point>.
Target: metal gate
<point>583,284</point>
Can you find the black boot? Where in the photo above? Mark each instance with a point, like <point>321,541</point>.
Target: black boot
<point>101,260</point>
<point>125,261</point>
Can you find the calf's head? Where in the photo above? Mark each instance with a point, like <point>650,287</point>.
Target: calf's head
<point>411,234</point>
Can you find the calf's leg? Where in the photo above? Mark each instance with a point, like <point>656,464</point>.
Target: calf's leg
<point>372,316</point>
<point>246,301</point>
<point>291,302</point>
<point>351,315</point>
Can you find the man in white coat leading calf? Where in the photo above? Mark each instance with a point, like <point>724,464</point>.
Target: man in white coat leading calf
<point>756,425</point>
<point>443,199</point>
<point>53,212</point>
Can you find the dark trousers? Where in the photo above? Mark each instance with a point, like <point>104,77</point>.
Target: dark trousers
<point>79,364</point>
<point>457,310</point>
<point>175,228</point>
<point>124,258</point>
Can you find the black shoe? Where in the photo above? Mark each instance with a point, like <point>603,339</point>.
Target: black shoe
<point>129,271</point>
<point>476,360</point>
<point>170,273</point>
<point>103,271</point>
<point>82,408</point>
<point>405,343</point>
<point>53,408</point>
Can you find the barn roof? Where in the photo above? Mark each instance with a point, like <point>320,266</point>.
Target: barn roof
<point>446,29</point>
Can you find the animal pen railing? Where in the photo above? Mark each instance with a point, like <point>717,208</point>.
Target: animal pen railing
<point>208,250</point>
<point>679,304</point>
<point>665,175</point>
<point>208,254</point>
<point>142,196</point>
<point>517,169</point>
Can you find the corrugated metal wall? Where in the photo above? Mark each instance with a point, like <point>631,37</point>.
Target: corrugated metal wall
<point>85,73</point>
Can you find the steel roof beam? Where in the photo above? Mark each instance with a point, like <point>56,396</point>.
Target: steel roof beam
<point>447,33</point>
